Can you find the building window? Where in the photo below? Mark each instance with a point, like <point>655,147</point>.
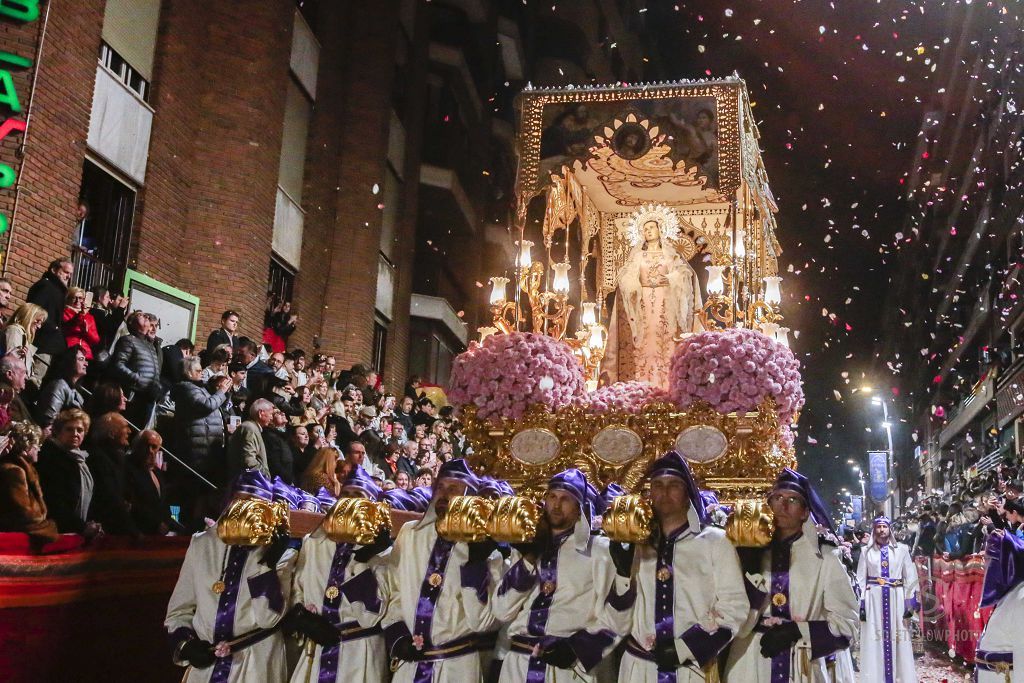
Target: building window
<point>106,212</point>
<point>124,71</point>
<point>281,281</point>
<point>380,345</point>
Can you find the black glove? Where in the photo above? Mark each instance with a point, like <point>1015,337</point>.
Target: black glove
<point>316,627</point>
<point>666,656</point>
<point>863,613</point>
<point>480,551</point>
<point>198,653</point>
<point>272,555</point>
<point>559,655</point>
<point>622,556</point>
<point>779,638</point>
<point>379,545</point>
<point>908,614</point>
<point>405,650</point>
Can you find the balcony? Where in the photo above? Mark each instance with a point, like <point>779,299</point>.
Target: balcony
<point>120,125</point>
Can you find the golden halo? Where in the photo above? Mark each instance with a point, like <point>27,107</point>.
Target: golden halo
<point>665,217</point>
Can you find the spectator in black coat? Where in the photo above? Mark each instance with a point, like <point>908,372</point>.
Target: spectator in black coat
<point>173,356</point>
<point>257,372</point>
<point>108,311</point>
<point>108,451</point>
<point>227,333</point>
<point>135,363</point>
<point>302,450</point>
<point>280,459</point>
<point>65,477</point>
<point>49,293</point>
<point>147,491</point>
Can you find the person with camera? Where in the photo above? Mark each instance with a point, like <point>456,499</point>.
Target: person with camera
<point>563,598</point>
<point>338,600</point>
<point>690,599</point>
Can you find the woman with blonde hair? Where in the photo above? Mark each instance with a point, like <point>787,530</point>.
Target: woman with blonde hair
<point>22,507</point>
<point>322,471</point>
<point>78,324</point>
<point>21,333</point>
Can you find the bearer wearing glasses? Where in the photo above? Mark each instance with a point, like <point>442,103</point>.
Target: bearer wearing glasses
<point>802,607</point>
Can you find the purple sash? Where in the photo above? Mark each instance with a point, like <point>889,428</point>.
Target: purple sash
<point>781,550</point>
<point>329,655</point>
<point>547,570</point>
<point>429,593</point>
<point>886,617</point>
<point>224,625</point>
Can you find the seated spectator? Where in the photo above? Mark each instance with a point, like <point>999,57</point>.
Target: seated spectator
<point>403,414</point>
<point>302,410</point>
<point>198,422</point>
<point>61,386</point>
<point>219,360</point>
<point>246,450</point>
<point>299,360</point>
<point>276,363</point>
<point>20,333</point>
<point>426,414</point>
<point>108,452</point>
<point>12,382</point>
<point>65,477</point>
<point>322,471</point>
<point>403,481</point>
<point>22,507</point>
<point>279,453</point>
<point>107,397</point>
<point>147,491</point>
<point>389,463</point>
<point>77,323</point>
<point>407,459</point>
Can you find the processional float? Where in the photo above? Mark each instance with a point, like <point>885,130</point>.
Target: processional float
<point>650,321</point>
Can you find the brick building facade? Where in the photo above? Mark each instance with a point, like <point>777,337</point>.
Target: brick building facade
<point>353,157</point>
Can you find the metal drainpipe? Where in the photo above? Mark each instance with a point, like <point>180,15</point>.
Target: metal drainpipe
<point>23,147</point>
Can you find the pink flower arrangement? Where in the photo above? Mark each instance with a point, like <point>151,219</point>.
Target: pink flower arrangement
<point>508,373</point>
<point>628,397</point>
<point>734,370</point>
<point>786,437</point>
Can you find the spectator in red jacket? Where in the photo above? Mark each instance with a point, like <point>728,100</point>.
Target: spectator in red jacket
<point>78,324</point>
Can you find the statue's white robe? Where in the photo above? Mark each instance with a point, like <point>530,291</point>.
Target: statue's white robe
<point>581,606</point>
<point>709,604</point>
<point>459,611</point>
<point>362,599</point>
<point>821,603</point>
<point>886,648</point>
<point>193,605</point>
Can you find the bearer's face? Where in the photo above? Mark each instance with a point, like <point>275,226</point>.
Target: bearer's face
<point>790,510</point>
<point>445,489</point>
<point>668,495</point>
<point>561,509</point>
<point>882,532</point>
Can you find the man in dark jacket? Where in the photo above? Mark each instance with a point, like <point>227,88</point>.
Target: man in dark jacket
<point>226,333</point>
<point>49,293</point>
<point>108,312</point>
<point>279,452</point>
<point>173,357</point>
<point>135,364</point>
<point>257,372</point>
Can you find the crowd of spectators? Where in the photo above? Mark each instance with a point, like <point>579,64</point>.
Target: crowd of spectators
<point>105,428</point>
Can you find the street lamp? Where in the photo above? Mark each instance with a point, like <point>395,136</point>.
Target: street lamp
<point>891,504</point>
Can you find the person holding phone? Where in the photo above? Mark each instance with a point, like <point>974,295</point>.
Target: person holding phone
<point>77,323</point>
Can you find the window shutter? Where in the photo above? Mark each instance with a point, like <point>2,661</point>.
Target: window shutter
<point>130,27</point>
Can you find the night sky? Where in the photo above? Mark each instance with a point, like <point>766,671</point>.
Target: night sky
<point>839,91</point>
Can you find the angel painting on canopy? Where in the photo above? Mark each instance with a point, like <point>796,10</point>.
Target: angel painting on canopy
<point>657,294</point>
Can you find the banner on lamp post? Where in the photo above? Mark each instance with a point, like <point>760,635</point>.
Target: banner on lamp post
<point>878,475</point>
<point>858,508</point>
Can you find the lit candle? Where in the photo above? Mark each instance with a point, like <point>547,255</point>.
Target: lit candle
<point>740,249</point>
<point>524,259</point>
<point>498,289</point>
<point>560,282</point>
<point>772,293</point>
<point>782,336</point>
<point>486,332</point>
<point>596,340</point>
<point>589,315</point>
<point>716,285</point>
<point>770,330</point>
<point>590,385</point>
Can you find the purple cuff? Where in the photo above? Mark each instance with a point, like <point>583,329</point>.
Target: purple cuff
<point>363,588</point>
<point>181,635</point>
<point>394,633</point>
<point>517,578</point>
<point>621,603</point>
<point>911,604</point>
<point>755,597</point>
<point>705,645</point>
<point>268,585</point>
<point>589,647</point>
<point>476,576</point>
<point>823,642</point>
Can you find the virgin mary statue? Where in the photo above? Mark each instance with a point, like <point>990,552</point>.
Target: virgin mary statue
<point>657,294</point>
